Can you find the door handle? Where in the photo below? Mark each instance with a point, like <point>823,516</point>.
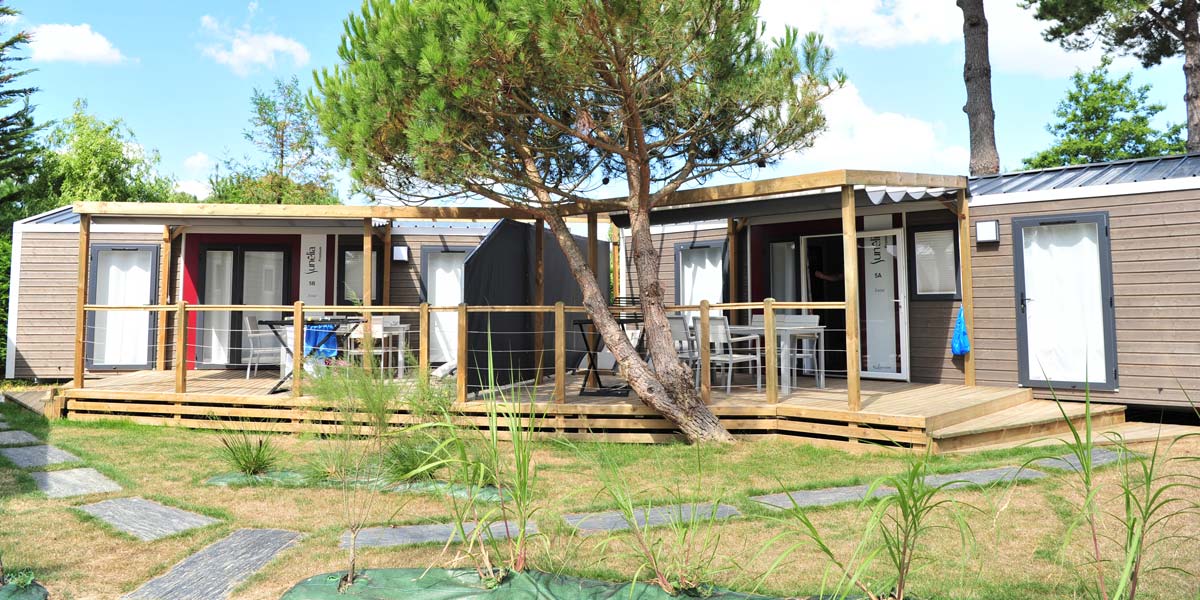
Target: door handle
<point>1024,300</point>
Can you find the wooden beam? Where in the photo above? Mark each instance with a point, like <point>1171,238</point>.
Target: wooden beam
<point>771,351</point>
<point>297,346</point>
<point>539,294</point>
<point>368,292</point>
<point>704,343</point>
<point>164,286</point>
<point>968,287</point>
<point>335,211</point>
<point>850,279</point>
<point>387,266</point>
<point>463,356</point>
<point>181,334</point>
<point>423,342</point>
<point>560,353</point>
<point>734,270</point>
<point>85,233</point>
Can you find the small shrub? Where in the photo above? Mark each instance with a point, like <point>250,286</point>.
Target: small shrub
<point>407,459</point>
<point>248,453</point>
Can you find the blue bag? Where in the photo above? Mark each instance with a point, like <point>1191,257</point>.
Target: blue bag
<point>318,342</point>
<point>960,345</point>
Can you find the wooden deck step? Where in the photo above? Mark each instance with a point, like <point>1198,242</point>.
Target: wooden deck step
<point>1022,422</point>
<point>1130,431</point>
<point>986,401</point>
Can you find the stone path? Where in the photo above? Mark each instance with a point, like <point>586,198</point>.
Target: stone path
<point>3,425</point>
<point>16,437</point>
<point>1070,462</point>
<point>822,497</point>
<point>660,515</point>
<point>145,519</point>
<point>408,535</point>
<point>73,482</point>
<point>213,572</point>
<point>983,477</point>
<point>28,457</point>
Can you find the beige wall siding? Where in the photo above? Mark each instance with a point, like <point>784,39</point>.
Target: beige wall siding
<point>45,327</point>
<point>665,244</point>
<point>1156,281</point>
<point>931,323</point>
<point>406,276</point>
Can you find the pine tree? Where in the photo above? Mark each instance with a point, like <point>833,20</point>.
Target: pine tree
<point>18,132</point>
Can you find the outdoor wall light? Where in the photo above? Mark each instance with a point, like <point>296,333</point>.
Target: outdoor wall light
<point>987,232</point>
<point>400,253</point>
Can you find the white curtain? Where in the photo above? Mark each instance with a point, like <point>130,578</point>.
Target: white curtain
<point>444,277</point>
<point>700,275</point>
<point>123,277</point>
<point>218,289</point>
<point>1064,313</point>
<point>783,272</point>
<point>262,284</point>
<point>934,258</point>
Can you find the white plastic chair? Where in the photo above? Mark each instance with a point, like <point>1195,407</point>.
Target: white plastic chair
<point>685,340</point>
<point>258,345</point>
<point>725,353</point>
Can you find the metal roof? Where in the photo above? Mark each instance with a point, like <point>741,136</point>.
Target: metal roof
<point>1093,174</point>
<point>63,215</point>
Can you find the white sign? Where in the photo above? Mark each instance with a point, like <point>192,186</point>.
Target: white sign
<point>312,269</point>
<point>879,290</point>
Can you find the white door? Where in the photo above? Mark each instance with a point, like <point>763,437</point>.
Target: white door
<point>883,293</point>
<point>444,287</point>
<point>1065,325</point>
<point>123,276</point>
<point>263,279</point>
<point>701,275</point>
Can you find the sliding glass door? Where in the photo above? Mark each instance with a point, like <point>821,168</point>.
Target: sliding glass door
<point>238,275</point>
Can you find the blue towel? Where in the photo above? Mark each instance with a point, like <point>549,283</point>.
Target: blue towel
<point>960,344</point>
<point>313,334</point>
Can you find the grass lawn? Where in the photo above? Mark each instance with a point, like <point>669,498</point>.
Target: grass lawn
<point>1015,554</point>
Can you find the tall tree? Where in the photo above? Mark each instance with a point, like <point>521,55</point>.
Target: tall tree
<point>534,103</point>
<point>1104,119</point>
<point>1151,30</point>
<point>977,75</point>
<point>98,160</point>
<point>297,166</point>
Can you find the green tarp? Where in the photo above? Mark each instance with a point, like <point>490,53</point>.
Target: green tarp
<point>29,592</point>
<point>465,584</point>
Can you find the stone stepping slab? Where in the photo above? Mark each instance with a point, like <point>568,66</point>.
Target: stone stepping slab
<point>614,520</point>
<point>409,535</point>
<point>213,572</point>
<point>27,457</point>
<point>3,425</point>
<point>821,497</point>
<point>1070,462</point>
<point>145,519</point>
<point>16,437</point>
<point>73,482</point>
<point>983,477</point>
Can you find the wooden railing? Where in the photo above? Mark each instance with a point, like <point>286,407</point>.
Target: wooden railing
<point>423,313</point>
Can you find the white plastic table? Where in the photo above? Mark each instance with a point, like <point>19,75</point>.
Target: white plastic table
<point>787,336</point>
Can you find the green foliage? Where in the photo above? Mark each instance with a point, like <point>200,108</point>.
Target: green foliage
<point>18,132</point>
<point>248,453</point>
<point>513,99</point>
<point>1150,30</point>
<point>410,457</point>
<point>295,166</point>
<point>1104,119</point>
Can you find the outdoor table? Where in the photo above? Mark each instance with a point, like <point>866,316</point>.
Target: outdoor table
<point>787,336</point>
<point>591,343</point>
<point>278,326</point>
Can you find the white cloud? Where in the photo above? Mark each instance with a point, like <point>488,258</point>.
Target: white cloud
<point>199,189</point>
<point>71,43</point>
<point>1014,36</point>
<point>244,50</point>
<point>861,137</point>
<point>198,164</point>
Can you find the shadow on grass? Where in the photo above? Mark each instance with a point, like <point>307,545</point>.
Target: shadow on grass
<point>19,418</point>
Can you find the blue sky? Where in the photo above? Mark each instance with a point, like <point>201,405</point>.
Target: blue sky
<point>181,74</point>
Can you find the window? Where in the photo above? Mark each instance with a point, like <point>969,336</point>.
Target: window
<point>350,276</point>
<point>699,272</point>
<point>933,262</point>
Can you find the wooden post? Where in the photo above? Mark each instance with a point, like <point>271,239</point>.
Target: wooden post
<point>539,294</point>
<point>85,233</point>
<point>462,368</point>
<point>734,268</point>
<point>368,275</point>
<point>297,346</point>
<point>387,265</point>
<point>560,353</point>
<point>771,351</point>
<point>968,286</point>
<point>614,241</point>
<point>423,342</point>
<point>850,271</point>
<point>164,286</point>
<point>181,331</point>
<point>703,338</point>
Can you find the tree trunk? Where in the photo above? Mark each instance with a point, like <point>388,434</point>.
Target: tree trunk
<point>977,74</point>
<point>1191,72</point>
<point>668,387</point>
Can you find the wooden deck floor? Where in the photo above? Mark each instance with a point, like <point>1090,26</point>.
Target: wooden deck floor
<point>894,413</point>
